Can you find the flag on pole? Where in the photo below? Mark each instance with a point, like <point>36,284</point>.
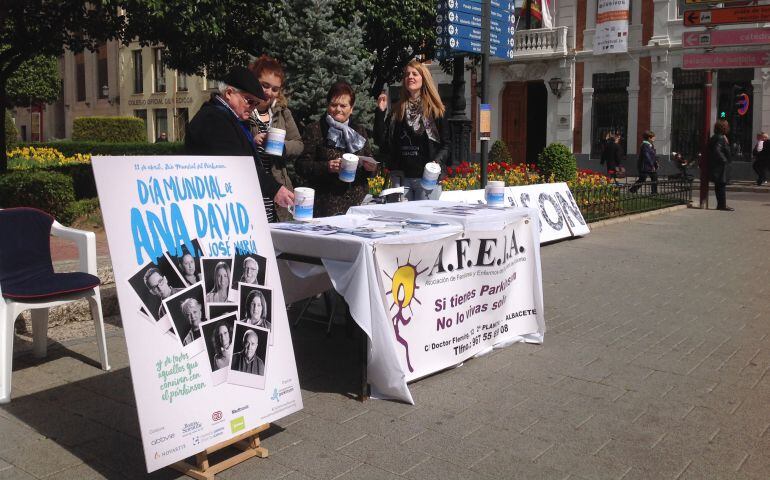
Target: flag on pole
<point>541,10</point>
<point>548,20</point>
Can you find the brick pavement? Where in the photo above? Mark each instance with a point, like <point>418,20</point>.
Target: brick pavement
<point>655,366</point>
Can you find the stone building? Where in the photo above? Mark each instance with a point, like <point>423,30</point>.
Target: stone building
<point>118,80</point>
<point>557,90</point>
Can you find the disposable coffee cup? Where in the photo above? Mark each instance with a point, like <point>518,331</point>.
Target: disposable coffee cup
<point>494,193</point>
<point>275,139</point>
<point>348,167</point>
<point>430,175</point>
<point>302,209</point>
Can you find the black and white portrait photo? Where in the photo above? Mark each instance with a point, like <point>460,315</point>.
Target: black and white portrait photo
<point>187,313</point>
<point>152,287</point>
<point>218,309</point>
<point>248,363</point>
<point>249,268</point>
<point>255,305</point>
<point>172,276</point>
<point>187,262</point>
<point>218,334</point>
<point>217,275</point>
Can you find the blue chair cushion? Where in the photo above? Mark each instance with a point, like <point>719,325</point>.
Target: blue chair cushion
<point>48,286</point>
<point>26,269</point>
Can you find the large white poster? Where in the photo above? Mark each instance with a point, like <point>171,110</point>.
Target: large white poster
<point>611,35</point>
<point>451,299</point>
<point>200,299</point>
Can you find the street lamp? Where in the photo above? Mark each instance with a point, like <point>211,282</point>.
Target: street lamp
<point>555,85</point>
<point>106,94</point>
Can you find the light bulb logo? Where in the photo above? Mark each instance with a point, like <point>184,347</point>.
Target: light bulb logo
<point>403,291</point>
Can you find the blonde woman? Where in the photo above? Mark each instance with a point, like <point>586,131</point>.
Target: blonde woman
<point>221,290</point>
<point>416,132</point>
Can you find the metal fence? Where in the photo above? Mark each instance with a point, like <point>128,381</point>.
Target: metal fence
<point>599,203</point>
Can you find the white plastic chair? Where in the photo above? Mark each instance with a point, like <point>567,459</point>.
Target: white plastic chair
<point>10,309</point>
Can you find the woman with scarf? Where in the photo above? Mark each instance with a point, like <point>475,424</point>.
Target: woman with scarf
<point>416,131</point>
<point>325,142</point>
<point>273,112</point>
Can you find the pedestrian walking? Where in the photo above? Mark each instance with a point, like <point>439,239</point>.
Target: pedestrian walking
<point>761,155</point>
<point>612,155</point>
<point>719,157</point>
<point>647,163</point>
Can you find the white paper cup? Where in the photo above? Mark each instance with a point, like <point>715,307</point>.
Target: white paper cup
<point>494,193</point>
<point>348,167</point>
<point>275,139</point>
<point>303,203</point>
<point>430,175</point>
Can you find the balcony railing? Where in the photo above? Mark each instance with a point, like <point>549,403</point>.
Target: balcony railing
<point>541,42</point>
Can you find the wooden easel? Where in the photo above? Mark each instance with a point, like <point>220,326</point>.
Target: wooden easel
<point>249,444</point>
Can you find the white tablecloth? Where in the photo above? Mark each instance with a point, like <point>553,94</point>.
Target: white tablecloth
<point>482,219</point>
<point>349,262</point>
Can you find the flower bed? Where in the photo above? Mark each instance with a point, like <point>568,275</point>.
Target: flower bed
<point>32,158</point>
<point>467,176</point>
<point>596,194</point>
<point>76,166</point>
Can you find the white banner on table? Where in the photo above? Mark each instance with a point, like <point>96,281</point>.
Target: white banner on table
<point>451,299</point>
<point>611,34</point>
<point>200,299</point>
<point>560,215</point>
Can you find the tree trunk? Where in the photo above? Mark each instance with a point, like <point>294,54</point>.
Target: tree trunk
<point>3,146</point>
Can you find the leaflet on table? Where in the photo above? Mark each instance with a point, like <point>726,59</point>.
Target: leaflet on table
<point>395,226</point>
<point>316,228</point>
<point>464,210</point>
<point>200,298</point>
<point>373,231</point>
<point>362,159</point>
<point>408,221</point>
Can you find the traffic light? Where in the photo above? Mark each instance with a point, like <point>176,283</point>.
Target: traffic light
<point>742,103</point>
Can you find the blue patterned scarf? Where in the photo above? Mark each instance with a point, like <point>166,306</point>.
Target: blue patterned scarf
<point>344,137</point>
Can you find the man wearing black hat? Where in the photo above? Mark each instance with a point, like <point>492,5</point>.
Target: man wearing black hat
<point>217,128</point>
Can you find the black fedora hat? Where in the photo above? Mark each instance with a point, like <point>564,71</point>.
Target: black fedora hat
<point>242,79</point>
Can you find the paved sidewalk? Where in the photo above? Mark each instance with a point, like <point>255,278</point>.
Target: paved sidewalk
<point>656,365</point>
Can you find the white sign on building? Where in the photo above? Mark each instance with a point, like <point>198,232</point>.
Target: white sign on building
<point>611,27</point>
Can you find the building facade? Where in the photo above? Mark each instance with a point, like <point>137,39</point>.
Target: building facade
<point>556,89</point>
<point>118,80</point>
<point>645,88</point>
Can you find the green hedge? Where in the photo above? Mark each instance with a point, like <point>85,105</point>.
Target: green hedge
<point>499,152</point>
<point>82,176</point>
<point>109,129</point>
<point>70,148</point>
<point>49,191</point>
<point>557,160</point>
<point>81,208</point>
